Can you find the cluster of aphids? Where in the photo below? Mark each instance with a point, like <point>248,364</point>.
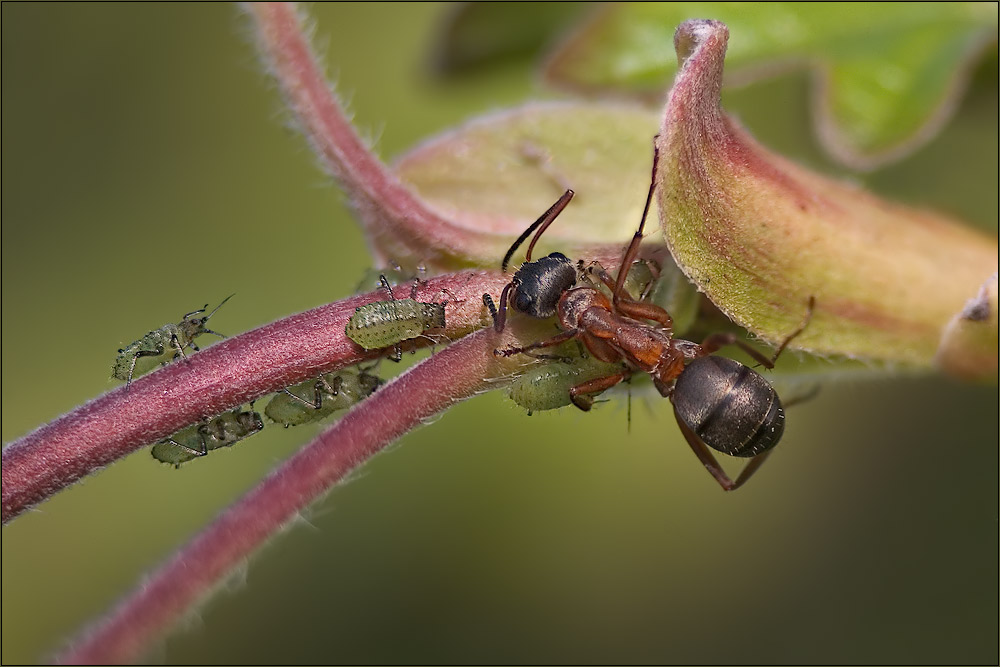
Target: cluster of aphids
<point>304,403</point>
<point>376,325</point>
<point>718,403</point>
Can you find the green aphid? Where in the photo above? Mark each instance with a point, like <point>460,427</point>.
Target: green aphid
<point>198,440</point>
<point>546,385</point>
<point>315,399</point>
<point>384,323</point>
<point>162,345</point>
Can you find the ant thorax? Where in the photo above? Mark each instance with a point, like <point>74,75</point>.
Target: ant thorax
<point>576,304</point>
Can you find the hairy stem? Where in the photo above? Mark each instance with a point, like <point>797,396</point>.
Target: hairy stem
<point>459,371</point>
<point>398,222</point>
<point>225,375</point>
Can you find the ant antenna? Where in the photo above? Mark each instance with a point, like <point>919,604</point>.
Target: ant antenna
<point>633,247</point>
<point>544,221</point>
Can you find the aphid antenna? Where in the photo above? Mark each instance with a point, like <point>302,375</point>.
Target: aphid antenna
<point>221,303</point>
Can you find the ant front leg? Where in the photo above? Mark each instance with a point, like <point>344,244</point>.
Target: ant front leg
<point>581,393</point>
<point>548,342</point>
<point>708,459</point>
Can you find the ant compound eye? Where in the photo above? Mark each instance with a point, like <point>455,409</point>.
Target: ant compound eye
<point>523,301</point>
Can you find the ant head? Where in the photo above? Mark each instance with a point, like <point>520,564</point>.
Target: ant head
<point>539,285</point>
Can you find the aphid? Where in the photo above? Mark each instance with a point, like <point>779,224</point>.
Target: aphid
<point>717,402</point>
<point>162,345</point>
<point>545,386</point>
<point>199,439</point>
<point>384,323</point>
<point>329,393</point>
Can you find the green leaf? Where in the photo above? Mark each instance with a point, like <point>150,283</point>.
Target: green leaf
<point>500,172</point>
<point>477,34</point>
<point>887,74</point>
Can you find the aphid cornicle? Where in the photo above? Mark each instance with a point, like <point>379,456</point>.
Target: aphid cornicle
<point>384,323</point>
<point>198,440</point>
<point>162,345</point>
<point>718,403</point>
<point>313,400</point>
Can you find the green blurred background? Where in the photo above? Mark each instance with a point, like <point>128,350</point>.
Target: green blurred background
<point>147,169</point>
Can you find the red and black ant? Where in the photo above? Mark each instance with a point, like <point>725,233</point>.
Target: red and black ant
<point>717,401</point>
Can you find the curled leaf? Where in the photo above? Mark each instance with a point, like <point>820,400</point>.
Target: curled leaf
<point>760,235</point>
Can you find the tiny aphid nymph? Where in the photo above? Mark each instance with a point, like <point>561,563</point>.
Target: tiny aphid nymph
<point>384,323</point>
<point>198,440</point>
<point>313,400</point>
<point>162,345</point>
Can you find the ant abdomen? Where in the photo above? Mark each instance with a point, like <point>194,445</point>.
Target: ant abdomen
<point>729,406</point>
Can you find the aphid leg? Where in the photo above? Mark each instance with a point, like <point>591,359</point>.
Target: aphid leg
<point>386,287</point>
<point>707,459</point>
<point>197,452</point>
<point>141,353</point>
<point>176,344</point>
<point>581,394</point>
<point>214,333</point>
<point>548,342</point>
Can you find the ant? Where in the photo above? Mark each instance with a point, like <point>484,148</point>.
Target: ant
<point>718,402</point>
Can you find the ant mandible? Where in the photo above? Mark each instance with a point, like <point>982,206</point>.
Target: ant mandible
<point>718,402</point>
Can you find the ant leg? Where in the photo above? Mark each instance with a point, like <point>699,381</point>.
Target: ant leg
<point>633,247</point>
<point>719,340</point>
<point>580,394</point>
<point>802,398</point>
<point>541,225</point>
<point>645,311</point>
<point>707,459</point>
<point>549,342</point>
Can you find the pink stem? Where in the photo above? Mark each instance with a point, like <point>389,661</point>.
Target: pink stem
<point>223,376</point>
<point>398,220</point>
<point>459,371</point>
